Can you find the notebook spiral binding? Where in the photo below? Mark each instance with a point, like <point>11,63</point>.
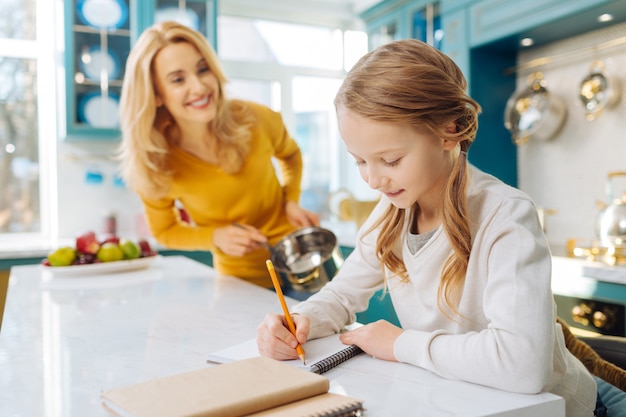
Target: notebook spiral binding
<point>335,359</point>
<point>352,410</point>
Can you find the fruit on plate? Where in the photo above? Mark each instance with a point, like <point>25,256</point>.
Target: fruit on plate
<point>146,249</point>
<point>88,243</point>
<point>110,252</point>
<point>63,256</point>
<point>89,250</point>
<point>130,249</point>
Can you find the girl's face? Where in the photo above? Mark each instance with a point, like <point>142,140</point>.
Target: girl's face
<point>186,86</point>
<point>405,165</point>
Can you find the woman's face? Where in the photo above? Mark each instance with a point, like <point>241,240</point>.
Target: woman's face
<point>405,165</point>
<point>185,84</point>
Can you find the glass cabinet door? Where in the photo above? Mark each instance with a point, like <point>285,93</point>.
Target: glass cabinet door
<point>98,43</point>
<point>417,19</point>
<point>197,14</point>
<point>385,29</point>
<point>426,25</point>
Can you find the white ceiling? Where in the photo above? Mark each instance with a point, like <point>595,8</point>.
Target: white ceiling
<point>335,13</point>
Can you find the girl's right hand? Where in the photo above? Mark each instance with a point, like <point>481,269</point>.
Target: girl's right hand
<point>276,341</point>
<point>238,240</point>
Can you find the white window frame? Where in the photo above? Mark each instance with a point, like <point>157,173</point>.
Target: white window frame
<point>44,50</point>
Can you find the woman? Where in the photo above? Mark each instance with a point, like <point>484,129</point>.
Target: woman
<point>462,254</point>
<point>185,143</point>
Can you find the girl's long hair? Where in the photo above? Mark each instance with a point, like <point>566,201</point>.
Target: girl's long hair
<point>149,131</point>
<point>410,83</point>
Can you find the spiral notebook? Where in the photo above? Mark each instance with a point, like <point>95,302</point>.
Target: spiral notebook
<point>321,354</point>
<point>259,387</point>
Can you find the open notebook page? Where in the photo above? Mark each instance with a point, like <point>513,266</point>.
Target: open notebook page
<point>315,350</point>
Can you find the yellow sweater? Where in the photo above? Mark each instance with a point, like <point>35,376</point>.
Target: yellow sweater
<point>213,199</point>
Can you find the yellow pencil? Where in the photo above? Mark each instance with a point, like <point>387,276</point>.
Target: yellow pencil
<point>281,297</point>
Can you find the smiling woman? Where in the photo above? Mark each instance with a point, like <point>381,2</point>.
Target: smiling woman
<point>185,142</point>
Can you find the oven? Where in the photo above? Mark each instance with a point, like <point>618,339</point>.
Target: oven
<point>590,296</point>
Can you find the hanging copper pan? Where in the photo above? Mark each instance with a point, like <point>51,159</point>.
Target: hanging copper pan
<point>533,112</point>
<point>598,91</point>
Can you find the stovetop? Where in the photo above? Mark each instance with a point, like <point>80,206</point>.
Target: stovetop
<point>591,269</point>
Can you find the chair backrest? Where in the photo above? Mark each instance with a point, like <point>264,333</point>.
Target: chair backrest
<point>4,285</point>
<point>596,364</point>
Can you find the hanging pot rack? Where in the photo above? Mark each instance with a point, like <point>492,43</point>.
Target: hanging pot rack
<point>565,56</point>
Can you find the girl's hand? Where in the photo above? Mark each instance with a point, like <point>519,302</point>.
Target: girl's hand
<point>376,339</point>
<point>276,341</point>
<point>300,217</point>
<point>238,240</point>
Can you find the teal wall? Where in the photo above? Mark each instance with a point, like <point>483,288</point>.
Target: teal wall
<point>493,150</point>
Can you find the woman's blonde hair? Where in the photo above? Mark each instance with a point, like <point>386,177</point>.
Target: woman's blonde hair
<point>410,83</point>
<point>149,131</point>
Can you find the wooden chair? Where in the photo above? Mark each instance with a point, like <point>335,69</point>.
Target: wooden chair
<point>4,285</point>
<point>603,356</point>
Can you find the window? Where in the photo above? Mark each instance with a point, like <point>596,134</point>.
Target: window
<point>296,69</point>
<point>26,52</point>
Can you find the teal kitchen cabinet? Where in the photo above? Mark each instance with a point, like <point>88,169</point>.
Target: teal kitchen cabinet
<point>97,43</point>
<point>492,20</point>
<point>198,14</point>
<point>391,20</point>
<point>455,26</point>
<point>98,38</point>
<point>204,257</point>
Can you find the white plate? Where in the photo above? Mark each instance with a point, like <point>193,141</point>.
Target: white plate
<point>99,111</point>
<point>185,17</point>
<point>101,267</point>
<point>110,14</point>
<point>94,61</point>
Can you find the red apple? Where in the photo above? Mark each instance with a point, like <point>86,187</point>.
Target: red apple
<point>112,239</point>
<point>88,243</point>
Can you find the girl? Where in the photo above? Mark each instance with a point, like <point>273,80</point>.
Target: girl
<point>185,143</point>
<point>462,254</point>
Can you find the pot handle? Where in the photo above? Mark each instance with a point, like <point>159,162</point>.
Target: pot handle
<point>520,140</point>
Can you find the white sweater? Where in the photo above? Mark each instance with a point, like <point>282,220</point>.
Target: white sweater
<point>510,339</point>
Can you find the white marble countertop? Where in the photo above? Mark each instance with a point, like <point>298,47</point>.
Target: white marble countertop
<point>33,247</point>
<point>64,339</point>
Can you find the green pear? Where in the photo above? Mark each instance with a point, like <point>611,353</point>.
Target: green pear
<point>110,252</point>
<point>131,249</point>
<point>63,256</point>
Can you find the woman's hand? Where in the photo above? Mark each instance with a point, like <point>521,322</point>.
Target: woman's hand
<point>276,341</point>
<point>238,240</point>
<point>300,217</point>
<point>376,339</point>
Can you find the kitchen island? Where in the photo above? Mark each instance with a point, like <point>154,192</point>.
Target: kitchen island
<point>64,339</point>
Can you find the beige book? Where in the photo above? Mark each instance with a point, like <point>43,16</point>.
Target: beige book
<point>241,388</point>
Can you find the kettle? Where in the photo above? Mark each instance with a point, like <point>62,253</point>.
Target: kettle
<point>347,208</point>
<point>611,221</point>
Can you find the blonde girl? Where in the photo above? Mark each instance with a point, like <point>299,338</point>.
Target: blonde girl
<point>462,254</point>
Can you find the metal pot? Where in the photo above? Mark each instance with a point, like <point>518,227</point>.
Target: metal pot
<point>534,112</point>
<point>611,222</point>
<point>307,258</point>
<point>598,91</point>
